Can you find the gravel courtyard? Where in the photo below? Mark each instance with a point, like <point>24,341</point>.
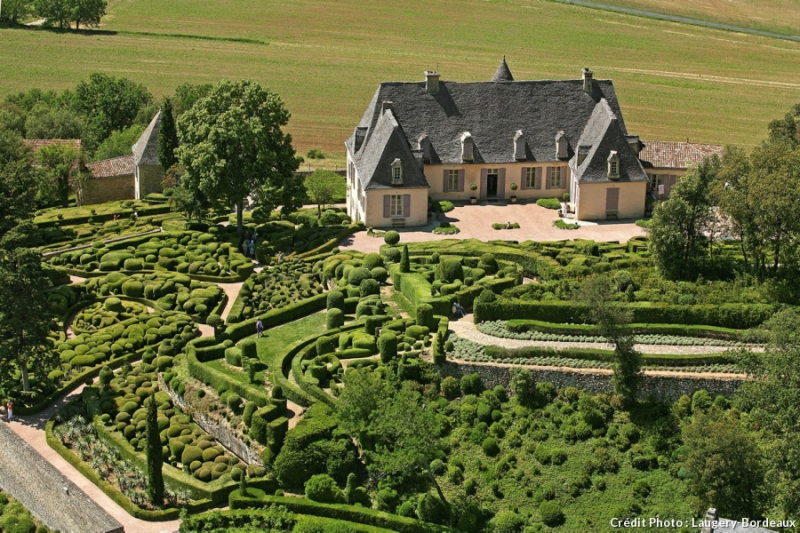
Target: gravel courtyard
<point>475,222</point>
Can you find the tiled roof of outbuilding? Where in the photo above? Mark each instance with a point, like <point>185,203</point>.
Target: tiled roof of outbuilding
<point>110,168</point>
<point>36,144</point>
<point>667,154</point>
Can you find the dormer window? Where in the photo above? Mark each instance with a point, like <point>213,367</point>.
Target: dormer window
<point>519,146</point>
<point>562,146</point>
<point>467,147</point>
<point>613,166</point>
<point>397,172</point>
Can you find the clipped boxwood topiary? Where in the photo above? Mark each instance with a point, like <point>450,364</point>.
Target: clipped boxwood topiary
<point>391,237</point>
<point>323,488</point>
<point>387,346</point>
<point>334,318</point>
<point>335,300</point>
<point>368,287</point>
<point>324,346</point>
<point>249,349</point>
<point>425,316</point>
<point>357,275</point>
<point>551,513</point>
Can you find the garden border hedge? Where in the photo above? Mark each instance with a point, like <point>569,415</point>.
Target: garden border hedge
<point>725,315</point>
<point>678,330</point>
<point>593,354</point>
<point>359,515</point>
<point>144,211</point>
<point>276,317</point>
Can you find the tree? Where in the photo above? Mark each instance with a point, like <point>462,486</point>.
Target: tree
<point>167,137</point>
<point>88,12</point>
<point>187,94</point>
<point>109,104</point>
<point>60,165</point>
<point>44,122</point>
<point>405,265</point>
<point>724,464</point>
<point>118,143</point>
<point>406,436</point>
<point>772,397</point>
<point>359,399</point>
<point>321,188</point>
<point>17,182</point>
<point>155,460</point>
<point>612,319</point>
<point>192,203</point>
<point>24,311</point>
<point>54,12</point>
<point>14,10</point>
<point>233,147</point>
<point>676,232</point>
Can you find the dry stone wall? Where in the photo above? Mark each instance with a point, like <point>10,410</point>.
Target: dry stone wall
<point>662,387</point>
<point>46,492</point>
<point>219,429</point>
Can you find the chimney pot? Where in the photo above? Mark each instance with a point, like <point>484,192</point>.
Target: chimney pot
<point>587,80</point>
<point>432,81</point>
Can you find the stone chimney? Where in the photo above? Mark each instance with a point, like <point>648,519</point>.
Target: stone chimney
<point>587,80</point>
<point>419,157</point>
<point>432,81</point>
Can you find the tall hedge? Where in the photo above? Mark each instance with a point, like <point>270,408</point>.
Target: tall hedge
<point>335,300</point>
<point>425,316</point>
<point>334,318</point>
<point>387,346</point>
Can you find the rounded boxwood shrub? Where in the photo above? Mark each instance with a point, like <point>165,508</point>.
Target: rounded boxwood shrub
<point>379,274</point>
<point>392,255</point>
<point>425,316</point>
<point>490,447</point>
<point>334,318</point>
<point>249,349</point>
<point>323,488</point>
<point>450,388</point>
<point>114,305</point>
<point>233,356</point>
<point>335,301</point>
<point>488,263</point>
<point>357,275</point>
<point>324,346</point>
<point>551,513</point>
<point>372,260</point>
<point>391,237</point>
<point>451,270</point>
<point>387,346</point>
<point>369,287</point>
<point>431,509</point>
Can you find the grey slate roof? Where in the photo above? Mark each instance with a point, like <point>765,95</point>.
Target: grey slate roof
<point>493,112</point>
<point>503,72</point>
<point>145,151</point>
<point>387,143</point>
<point>603,135</point>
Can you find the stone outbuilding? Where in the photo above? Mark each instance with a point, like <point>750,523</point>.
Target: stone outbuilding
<point>665,162</point>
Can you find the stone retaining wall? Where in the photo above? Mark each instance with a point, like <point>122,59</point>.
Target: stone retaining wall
<point>662,387</point>
<point>219,429</point>
<point>46,492</point>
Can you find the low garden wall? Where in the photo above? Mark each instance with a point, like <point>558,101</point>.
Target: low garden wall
<point>221,431</point>
<point>50,496</point>
<point>661,387</point>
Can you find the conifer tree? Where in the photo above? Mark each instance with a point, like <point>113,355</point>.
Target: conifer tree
<point>167,137</point>
<point>405,265</point>
<point>155,478</point>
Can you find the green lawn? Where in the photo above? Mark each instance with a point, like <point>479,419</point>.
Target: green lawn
<point>326,58</point>
<point>277,340</point>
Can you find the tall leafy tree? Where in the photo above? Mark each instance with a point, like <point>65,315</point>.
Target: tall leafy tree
<point>60,165</point>
<point>773,397</point>
<point>233,147</point>
<point>321,187</point>
<point>613,320</point>
<point>725,465</point>
<point>53,122</point>
<point>54,12</point>
<point>87,12</point>
<point>187,94</point>
<point>155,460</point>
<point>14,10</point>
<point>167,137</point>
<point>118,143</point>
<point>677,230</point>
<point>17,182</point>
<point>24,312</point>
<point>109,104</point>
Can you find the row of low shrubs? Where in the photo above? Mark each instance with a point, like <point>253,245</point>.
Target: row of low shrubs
<point>144,210</point>
<point>738,316</point>
<point>589,354</point>
<point>680,330</point>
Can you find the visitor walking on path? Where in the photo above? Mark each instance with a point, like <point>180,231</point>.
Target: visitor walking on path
<point>252,248</point>
<point>10,410</point>
<point>245,247</point>
<point>259,328</point>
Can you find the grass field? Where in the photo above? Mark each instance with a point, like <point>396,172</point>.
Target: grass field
<point>326,58</point>
<point>779,16</point>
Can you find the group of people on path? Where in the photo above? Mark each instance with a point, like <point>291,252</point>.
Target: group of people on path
<point>249,244</point>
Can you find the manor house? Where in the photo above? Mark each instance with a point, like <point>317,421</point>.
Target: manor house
<point>489,141</point>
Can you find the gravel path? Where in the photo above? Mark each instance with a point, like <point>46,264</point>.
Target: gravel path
<point>466,329</point>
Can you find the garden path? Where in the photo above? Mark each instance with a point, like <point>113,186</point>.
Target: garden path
<point>466,329</point>
<point>31,429</point>
<point>232,291</point>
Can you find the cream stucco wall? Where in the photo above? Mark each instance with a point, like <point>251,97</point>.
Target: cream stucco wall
<point>591,203</point>
<point>472,174</point>
<point>374,208</point>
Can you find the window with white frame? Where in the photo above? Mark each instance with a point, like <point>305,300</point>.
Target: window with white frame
<point>555,178</point>
<point>396,205</point>
<point>530,178</point>
<point>397,172</point>
<point>452,180</point>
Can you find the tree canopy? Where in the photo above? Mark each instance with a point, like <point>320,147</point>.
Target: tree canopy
<point>233,147</point>
<point>118,143</point>
<point>167,137</point>
<point>60,167</point>
<point>321,187</point>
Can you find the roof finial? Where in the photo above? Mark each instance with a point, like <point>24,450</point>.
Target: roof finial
<point>503,73</point>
